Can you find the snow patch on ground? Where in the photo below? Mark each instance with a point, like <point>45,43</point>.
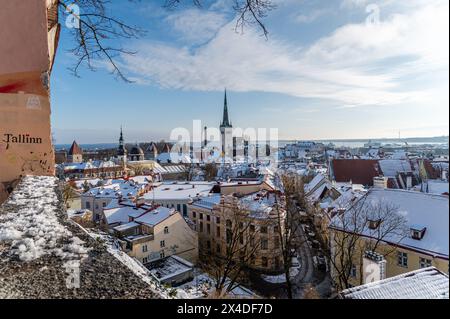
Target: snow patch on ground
<point>280,279</point>
<point>34,230</point>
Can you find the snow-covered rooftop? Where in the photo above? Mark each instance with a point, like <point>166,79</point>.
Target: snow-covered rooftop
<point>418,208</point>
<point>116,189</point>
<point>390,167</point>
<point>155,216</point>
<point>179,191</point>
<point>427,283</point>
<point>208,201</point>
<point>88,165</point>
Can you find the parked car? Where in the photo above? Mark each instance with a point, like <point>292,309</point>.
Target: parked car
<point>295,263</point>
<point>315,244</point>
<point>321,263</point>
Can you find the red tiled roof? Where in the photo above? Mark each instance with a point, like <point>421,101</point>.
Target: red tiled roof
<point>75,149</point>
<point>431,171</point>
<point>359,171</point>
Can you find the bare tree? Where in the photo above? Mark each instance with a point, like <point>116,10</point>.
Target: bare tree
<point>310,292</point>
<point>98,29</point>
<point>68,193</point>
<point>378,221</point>
<point>210,171</point>
<point>240,245</point>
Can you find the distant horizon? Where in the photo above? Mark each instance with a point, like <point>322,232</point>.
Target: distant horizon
<point>355,140</point>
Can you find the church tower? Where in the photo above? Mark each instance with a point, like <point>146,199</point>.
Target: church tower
<point>226,128</point>
<point>122,151</point>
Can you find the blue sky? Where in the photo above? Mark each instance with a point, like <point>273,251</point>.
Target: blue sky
<point>329,69</point>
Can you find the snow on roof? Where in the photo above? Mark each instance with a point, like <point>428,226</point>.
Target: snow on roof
<point>126,226</point>
<point>390,167</point>
<point>433,187</point>
<point>121,214</point>
<point>170,267</point>
<point>418,208</point>
<point>314,182</point>
<point>88,165</point>
<point>115,189</point>
<point>179,190</point>
<point>259,204</point>
<point>427,283</point>
<point>155,216</point>
<point>208,201</point>
<point>173,158</point>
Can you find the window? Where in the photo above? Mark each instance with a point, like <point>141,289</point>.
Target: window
<point>264,244</point>
<point>218,231</point>
<point>166,230</point>
<point>263,229</point>
<point>218,248</point>
<point>353,271</point>
<point>88,205</point>
<point>241,225</point>
<point>276,243</point>
<point>229,223</point>
<point>194,215</point>
<point>184,210</point>
<point>264,262</point>
<point>275,229</point>
<point>208,218</point>
<point>104,205</point>
<point>229,236</point>
<point>144,248</point>
<point>201,227</point>
<point>241,239</point>
<point>208,229</point>
<point>178,207</point>
<point>402,259</point>
<point>424,262</point>
<point>374,223</point>
<point>144,260</point>
<point>162,243</point>
<point>201,216</point>
<point>162,254</point>
<point>217,220</point>
<point>252,228</point>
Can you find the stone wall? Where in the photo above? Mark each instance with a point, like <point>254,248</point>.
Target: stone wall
<point>42,252</point>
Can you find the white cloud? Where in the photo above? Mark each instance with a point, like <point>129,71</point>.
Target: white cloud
<point>311,16</point>
<point>196,26</point>
<point>353,65</point>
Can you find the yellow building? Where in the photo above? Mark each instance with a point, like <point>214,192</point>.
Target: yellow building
<point>422,242</point>
<point>214,218</point>
<point>152,233</point>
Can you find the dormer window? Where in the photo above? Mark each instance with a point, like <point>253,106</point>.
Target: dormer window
<point>417,232</point>
<point>374,223</point>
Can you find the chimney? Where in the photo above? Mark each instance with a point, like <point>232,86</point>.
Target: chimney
<point>140,201</point>
<point>408,182</point>
<point>374,267</point>
<point>380,182</point>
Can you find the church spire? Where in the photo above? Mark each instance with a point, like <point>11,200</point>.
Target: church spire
<point>225,120</point>
<point>121,151</point>
<point>121,136</point>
